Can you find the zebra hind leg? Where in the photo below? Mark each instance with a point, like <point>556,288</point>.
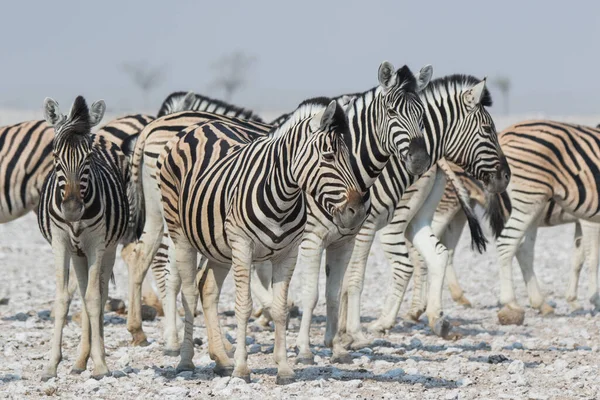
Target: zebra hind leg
<point>577,261</point>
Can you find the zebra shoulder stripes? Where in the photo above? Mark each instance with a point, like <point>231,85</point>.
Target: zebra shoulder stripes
<point>458,128</point>
<point>254,209</point>
<point>83,214</point>
<point>553,161</point>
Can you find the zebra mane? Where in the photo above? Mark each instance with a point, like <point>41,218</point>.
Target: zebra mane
<point>456,83</point>
<point>307,109</point>
<point>78,122</point>
<point>174,103</point>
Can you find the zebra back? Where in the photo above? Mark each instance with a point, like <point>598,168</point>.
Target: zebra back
<point>189,101</point>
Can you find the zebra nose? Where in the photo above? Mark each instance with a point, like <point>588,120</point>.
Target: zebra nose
<point>417,159</point>
<point>72,209</point>
<point>353,212</point>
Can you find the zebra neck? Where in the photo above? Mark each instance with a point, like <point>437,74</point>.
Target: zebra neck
<point>441,128</point>
<point>369,156</point>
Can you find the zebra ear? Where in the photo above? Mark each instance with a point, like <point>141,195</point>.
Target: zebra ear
<point>387,75</point>
<point>324,118</point>
<point>474,95</point>
<point>424,77</point>
<point>52,113</point>
<point>187,101</point>
<point>97,112</point>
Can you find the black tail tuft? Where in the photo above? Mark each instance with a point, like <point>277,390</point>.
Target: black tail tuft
<point>478,239</point>
<point>497,211</point>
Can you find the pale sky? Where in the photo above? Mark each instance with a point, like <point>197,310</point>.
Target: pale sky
<point>549,49</point>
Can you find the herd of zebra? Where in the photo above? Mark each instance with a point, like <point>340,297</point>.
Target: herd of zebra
<point>409,158</point>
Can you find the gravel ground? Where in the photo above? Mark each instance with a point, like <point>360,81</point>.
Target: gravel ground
<point>546,358</point>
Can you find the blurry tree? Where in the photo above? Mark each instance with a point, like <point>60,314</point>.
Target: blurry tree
<point>145,77</point>
<point>503,84</point>
<point>232,72</point>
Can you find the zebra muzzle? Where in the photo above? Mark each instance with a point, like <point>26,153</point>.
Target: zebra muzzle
<point>72,208</point>
<point>498,181</point>
<point>352,213</point>
<point>417,158</point>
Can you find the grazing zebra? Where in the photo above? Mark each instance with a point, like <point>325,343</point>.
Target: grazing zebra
<point>84,214</point>
<point>253,208</point>
<point>459,128</point>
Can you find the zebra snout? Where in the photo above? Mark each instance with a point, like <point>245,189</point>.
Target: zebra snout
<point>417,159</point>
<point>353,212</point>
<point>72,209</point>
<point>500,179</point>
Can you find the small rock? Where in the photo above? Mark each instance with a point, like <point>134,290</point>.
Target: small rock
<point>366,350</point>
<point>112,320</point>
<point>118,374</point>
<point>497,359</point>
<point>44,315</point>
<point>516,367</point>
<point>124,361</point>
<point>255,348</point>
<point>148,313</point>
<point>4,301</point>
<point>198,342</point>
<point>49,388</point>
<point>91,385</point>
<point>560,364</point>
<point>229,313</point>
<point>175,391</point>
<point>21,316</point>
<point>394,373</point>
<point>229,337</point>
<point>269,349</point>
<point>250,340</point>
<point>415,343</point>
<point>464,382</point>
<point>412,371</point>
<point>353,384</point>
<point>451,395</point>
<point>517,345</point>
<point>382,364</point>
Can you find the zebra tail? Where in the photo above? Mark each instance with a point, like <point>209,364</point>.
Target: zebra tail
<point>478,239</point>
<point>498,209</point>
<point>135,189</point>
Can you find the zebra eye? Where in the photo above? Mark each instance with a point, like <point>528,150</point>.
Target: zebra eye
<point>392,113</point>
<point>329,155</point>
<point>487,129</point>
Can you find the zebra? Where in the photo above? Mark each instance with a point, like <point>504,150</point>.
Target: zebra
<point>254,209</point>
<point>459,128</point>
<point>190,101</point>
<point>549,213</point>
<point>391,115</point>
<point>84,214</point>
<point>554,161</point>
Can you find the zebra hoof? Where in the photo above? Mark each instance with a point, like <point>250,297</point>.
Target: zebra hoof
<point>343,358</point>
<point>285,380</point>
<point>223,370</point>
<point>185,366</point>
<point>441,327</point>
<point>360,344</point>
<point>511,316</point>
<point>47,376</point>
<point>171,353</point>
<point>244,376</point>
<point>305,360</point>
<point>101,375</point>
<point>76,371</point>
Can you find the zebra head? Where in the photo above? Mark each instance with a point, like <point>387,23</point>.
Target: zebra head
<point>324,170</point>
<point>476,147</point>
<point>72,149</point>
<point>400,118</point>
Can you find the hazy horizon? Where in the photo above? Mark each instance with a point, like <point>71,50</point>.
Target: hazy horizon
<point>302,50</point>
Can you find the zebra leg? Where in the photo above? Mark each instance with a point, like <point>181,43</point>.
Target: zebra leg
<point>338,258</point>
<point>80,263</point>
<point>420,287</point>
<point>262,292</point>
<point>522,216</point>
<point>450,238</point>
<point>241,262</point>
<point>108,263</point>
<point>311,252</point>
<point>394,247</point>
<point>591,239</point>
<point>92,303</point>
<point>61,265</point>
<point>282,275</point>
<point>576,265</point>
<point>186,263</point>
<point>210,286</point>
<point>172,288</point>
<point>525,254</point>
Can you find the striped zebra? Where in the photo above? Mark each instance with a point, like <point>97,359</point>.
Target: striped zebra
<point>553,179</point>
<point>161,130</point>
<point>459,128</point>
<point>83,214</point>
<point>189,101</point>
<point>554,161</point>
<point>253,209</point>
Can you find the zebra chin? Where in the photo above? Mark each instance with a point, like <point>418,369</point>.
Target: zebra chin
<point>353,213</point>
<point>72,209</point>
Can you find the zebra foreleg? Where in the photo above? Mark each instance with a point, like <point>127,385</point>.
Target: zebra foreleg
<point>282,275</point>
<point>92,301</point>
<point>186,263</point>
<point>85,341</point>
<point>210,286</point>
<point>262,291</point>
<point>591,241</point>
<point>577,261</point>
<point>61,302</point>
<point>420,287</point>
<point>173,286</point>
<point>309,259</point>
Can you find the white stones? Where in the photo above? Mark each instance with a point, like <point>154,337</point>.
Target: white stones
<point>123,361</point>
<point>91,385</point>
<point>464,382</point>
<point>175,391</point>
<point>516,367</point>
